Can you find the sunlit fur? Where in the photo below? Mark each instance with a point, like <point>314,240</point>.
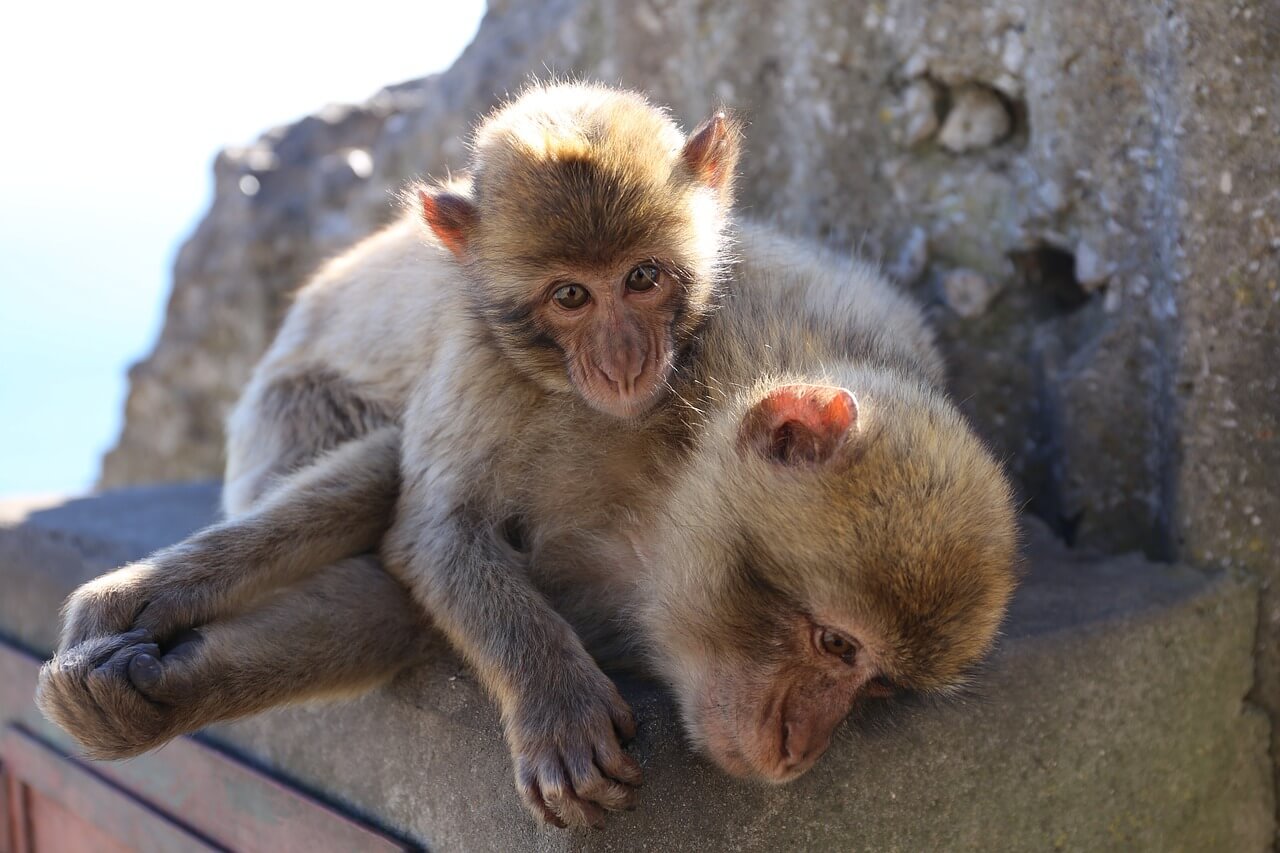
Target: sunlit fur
<point>907,535</point>
<point>662,537</point>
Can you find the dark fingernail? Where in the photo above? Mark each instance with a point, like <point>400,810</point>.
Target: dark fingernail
<point>144,671</point>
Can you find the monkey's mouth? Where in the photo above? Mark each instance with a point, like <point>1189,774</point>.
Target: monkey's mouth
<point>606,397</point>
<point>755,761</point>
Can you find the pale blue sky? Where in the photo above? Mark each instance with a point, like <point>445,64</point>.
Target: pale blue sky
<point>112,113</point>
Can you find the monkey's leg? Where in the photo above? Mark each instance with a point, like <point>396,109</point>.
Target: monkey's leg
<point>338,506</point>
<point>348,628</point>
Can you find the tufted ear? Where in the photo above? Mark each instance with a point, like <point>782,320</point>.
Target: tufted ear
<point>450,217</point>
<point>799,424</point>
<point>711,152</point>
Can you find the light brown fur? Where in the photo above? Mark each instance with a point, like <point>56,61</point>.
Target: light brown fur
<point>664,536</point>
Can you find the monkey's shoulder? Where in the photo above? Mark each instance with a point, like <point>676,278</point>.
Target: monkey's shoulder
<point>379,314</point>
<point>794,305</point>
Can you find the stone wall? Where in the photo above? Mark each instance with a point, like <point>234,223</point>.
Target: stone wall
<point>1086,195</point>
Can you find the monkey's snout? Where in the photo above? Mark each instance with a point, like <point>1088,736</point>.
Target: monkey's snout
<point>624,371</point>
<point>792,755</point>
<point>800,751</point>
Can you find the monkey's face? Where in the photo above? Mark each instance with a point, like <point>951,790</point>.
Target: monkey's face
<point>601,304</point>
<point>613,331</point>
<point>825,550</point>
<point>593,231</point>
<point>602,308</point>
<point>611,276</point>
<point>768,708</point>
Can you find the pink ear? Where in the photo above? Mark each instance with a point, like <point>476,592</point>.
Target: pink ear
<point>450,217</point>
<point>799,424</point>
<point>711,151</point>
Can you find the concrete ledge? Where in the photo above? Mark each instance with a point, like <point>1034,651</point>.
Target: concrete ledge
<point>1113,718</point>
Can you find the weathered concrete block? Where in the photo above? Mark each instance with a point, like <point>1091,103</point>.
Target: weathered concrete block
<point>1114,717</point>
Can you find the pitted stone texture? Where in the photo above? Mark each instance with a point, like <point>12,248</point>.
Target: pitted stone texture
<point>978,119</point>
<point>917,113</point>
<point>1226,275</point>
<point>968,293</point>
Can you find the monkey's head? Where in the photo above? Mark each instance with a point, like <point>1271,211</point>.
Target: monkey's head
<point>829,544</point>
<point>594,235</point>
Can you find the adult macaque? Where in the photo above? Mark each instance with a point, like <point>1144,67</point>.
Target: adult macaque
<point>781,513</point>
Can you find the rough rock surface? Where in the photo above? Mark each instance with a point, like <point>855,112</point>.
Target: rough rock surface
<point>967,293</point>
<point>1130,218</point>
<point>978,118</point>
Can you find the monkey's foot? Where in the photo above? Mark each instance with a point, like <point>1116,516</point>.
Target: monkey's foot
<point>155,595</point>
<point>105,607</point>
<point>569,762</point>
<point>118,696</point>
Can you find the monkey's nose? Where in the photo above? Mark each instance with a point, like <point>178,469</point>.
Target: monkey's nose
<point>800,747</point>
<point>623,370</point>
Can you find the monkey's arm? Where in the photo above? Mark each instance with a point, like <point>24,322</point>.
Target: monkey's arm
<point>338,506</point>
<point>563,717</point>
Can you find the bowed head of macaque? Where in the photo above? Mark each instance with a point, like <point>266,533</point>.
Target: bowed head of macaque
<point>835,544</point>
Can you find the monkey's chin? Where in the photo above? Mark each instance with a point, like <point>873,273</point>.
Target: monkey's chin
<point>625,408</point>
<point>595,388</point>
<point>737,765</point>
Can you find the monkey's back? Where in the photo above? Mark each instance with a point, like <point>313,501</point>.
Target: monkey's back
<point>796,309</point>
<point>357,338</point>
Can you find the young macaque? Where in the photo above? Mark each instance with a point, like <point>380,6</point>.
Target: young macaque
<point>772,503</point>
<point>579,255</point>
<point>512,259</point>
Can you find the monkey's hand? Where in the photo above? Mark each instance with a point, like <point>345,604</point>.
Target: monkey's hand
<point>566,743</point>
<point>89,691</point>
<point>105,606</point>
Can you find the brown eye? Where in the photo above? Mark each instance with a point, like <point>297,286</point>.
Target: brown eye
<point>571,296</point>
<point>642,278</point>
<point>838,645</point>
